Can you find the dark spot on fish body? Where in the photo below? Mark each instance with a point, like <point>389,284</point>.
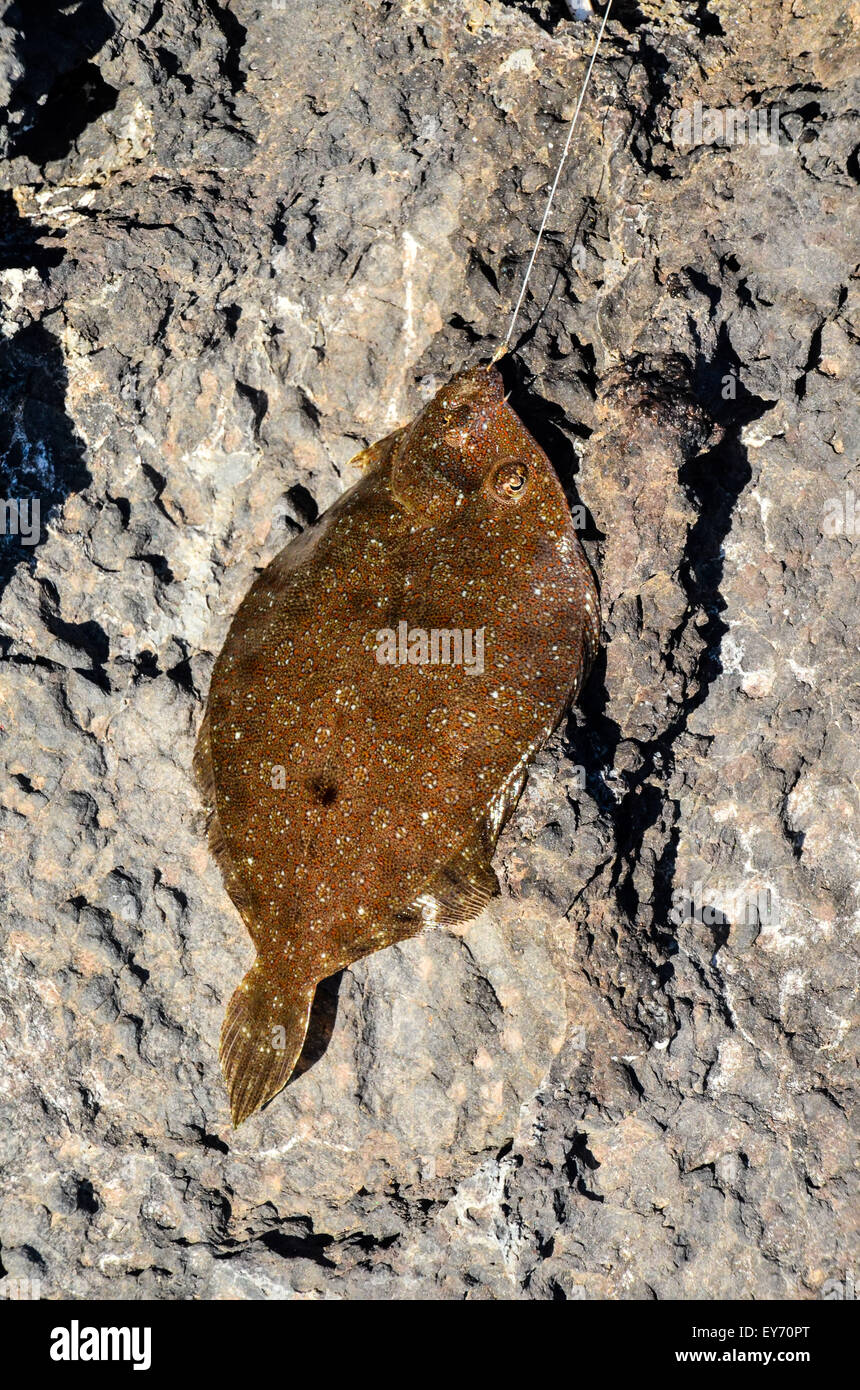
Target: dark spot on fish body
<point>323,790</point>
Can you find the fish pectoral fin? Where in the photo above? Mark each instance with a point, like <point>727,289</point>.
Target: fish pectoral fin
<point>262,1037</point>
<point>375,454</point>
<point>460,889</point>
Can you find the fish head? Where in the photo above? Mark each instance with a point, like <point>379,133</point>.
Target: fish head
<point>467,444</point>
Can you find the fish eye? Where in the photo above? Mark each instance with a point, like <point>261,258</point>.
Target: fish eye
<point>510,480</point>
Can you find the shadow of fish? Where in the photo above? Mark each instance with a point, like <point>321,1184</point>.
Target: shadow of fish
<point>360,759</point>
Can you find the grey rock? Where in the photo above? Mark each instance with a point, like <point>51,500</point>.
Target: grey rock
<point>238,243</point>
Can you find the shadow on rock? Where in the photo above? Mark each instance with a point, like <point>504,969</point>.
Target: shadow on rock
<point>59,91</point>
<point>41,454</point>
<point>675,406</point>
<point>321,1025</point>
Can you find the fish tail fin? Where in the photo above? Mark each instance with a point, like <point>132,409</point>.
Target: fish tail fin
<point>262,1037</point>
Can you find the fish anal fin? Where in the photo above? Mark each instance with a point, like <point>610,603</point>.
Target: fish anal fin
<point>504,802</point>
<point>262,1037</point>
<point>460,889</point>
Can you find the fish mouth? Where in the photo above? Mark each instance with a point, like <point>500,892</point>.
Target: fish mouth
<point>476,386</point>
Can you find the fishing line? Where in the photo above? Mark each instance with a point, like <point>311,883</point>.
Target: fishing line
<point>506,344</point>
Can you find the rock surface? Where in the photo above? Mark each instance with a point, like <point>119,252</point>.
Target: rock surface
<point>239,241</point>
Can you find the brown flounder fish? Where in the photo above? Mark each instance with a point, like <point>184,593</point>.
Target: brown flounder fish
<point>359,781</point>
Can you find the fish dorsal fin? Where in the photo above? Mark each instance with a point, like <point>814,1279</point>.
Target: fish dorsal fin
<point>202,763</point>
<point>205,776</point>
